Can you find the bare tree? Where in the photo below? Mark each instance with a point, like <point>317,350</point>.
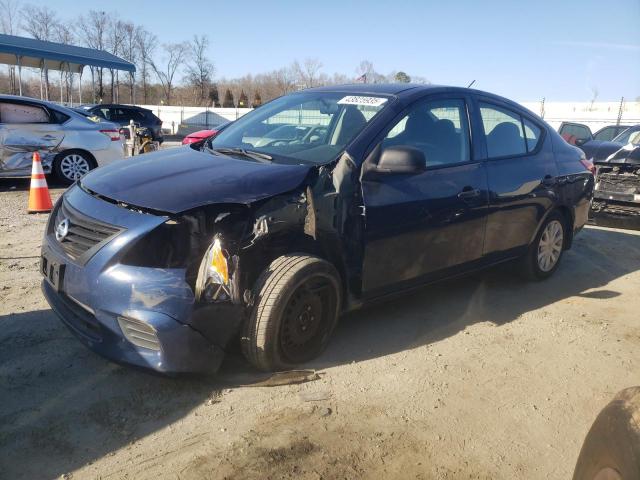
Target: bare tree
<point>174,58</point>
<point>145,45</point>
<point>9,25</point>
<point>129,52</point>
<point>41,23</point>
<point>115,41</point>
<point>93,32</point>
<point>284,80</point>
<point>63,34</point>
<point>200,69</point>
<point>308,73</point>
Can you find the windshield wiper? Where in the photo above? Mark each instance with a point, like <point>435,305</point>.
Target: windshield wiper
<point>243,152</point>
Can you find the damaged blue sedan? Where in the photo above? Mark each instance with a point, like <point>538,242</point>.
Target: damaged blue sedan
<point>265,239</point>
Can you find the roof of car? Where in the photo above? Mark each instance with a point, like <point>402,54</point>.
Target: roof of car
<point>398,89</point>
<point>118,105</point>
<point>383,88</point>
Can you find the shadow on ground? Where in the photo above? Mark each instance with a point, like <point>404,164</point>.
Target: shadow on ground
<point>68,407</point>
<point>497,295</point>
<point>22,184</point>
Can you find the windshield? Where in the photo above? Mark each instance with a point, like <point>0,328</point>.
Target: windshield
<point>309,127</point>
<point>630,135</point>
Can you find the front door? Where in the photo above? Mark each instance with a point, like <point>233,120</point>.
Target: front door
<point>426,225</point>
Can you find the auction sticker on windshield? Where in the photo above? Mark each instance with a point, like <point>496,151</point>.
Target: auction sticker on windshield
<point>356,100</point>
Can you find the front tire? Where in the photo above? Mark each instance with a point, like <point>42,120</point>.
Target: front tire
<point>297,301</point>
<point>545,252</point>
<point>71,165</point>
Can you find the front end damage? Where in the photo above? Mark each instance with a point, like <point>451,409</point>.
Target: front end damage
<point>616,199</point>
<point>230,245</point>
<point>170,291</point>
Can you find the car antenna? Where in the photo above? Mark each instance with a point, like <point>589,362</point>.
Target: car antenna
<point>469,86</point>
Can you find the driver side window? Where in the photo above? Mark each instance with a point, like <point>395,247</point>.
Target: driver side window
<point>439,128</point>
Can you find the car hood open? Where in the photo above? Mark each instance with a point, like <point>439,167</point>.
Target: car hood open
<point>179,179</point>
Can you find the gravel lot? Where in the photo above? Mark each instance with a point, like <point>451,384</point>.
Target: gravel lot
<point>485,377</point>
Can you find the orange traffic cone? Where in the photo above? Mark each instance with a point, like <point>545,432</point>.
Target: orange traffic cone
<point>39,198</point>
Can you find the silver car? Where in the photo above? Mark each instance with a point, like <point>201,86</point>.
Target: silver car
<point>70,143</point>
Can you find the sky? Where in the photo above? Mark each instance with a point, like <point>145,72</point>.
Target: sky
<point>562,50</point>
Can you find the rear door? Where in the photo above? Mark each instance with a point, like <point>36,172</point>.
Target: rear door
<point>522,175</point>
<point>423,226</point>
<point>575,133</point>
<point>25,128</point>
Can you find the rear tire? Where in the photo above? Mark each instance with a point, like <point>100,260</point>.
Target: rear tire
<point>296,306</point>
<point>611,450</point>
<point>545,252</point>
<point>71,165</point>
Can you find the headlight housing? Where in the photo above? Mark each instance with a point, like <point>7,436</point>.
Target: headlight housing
<point>212,283</point>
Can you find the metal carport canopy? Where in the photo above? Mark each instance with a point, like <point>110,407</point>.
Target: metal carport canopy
<point>29,52</point>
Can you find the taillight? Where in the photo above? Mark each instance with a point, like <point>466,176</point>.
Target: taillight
<point>588,164</point>
<point>114,135</point>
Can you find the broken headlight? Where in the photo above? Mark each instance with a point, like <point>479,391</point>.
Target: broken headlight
<point>212,283</point>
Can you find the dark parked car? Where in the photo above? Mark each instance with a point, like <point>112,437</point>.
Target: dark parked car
<point>123,114</point>
<point>605,142</point>
<point>164,262</point>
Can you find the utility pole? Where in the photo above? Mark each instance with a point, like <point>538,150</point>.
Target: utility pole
<point>620,111</point>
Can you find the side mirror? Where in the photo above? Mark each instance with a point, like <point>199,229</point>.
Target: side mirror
<point>581,141</point>
<point>402,159</point>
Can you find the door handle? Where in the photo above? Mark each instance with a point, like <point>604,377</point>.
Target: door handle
<point>549,181</point>
<point>469,192</point>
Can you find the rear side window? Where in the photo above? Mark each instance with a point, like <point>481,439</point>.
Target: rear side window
<point>507,133</point>
<point>59,117</point>
<point>503,132</point>
<point>532,133</point>
<point>18,113</point>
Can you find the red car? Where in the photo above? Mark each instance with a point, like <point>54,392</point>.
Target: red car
<point>203,134</point>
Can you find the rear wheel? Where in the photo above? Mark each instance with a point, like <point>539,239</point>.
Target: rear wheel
<point>71,165</point>
<point>545,252</point>
<point>297,300</point>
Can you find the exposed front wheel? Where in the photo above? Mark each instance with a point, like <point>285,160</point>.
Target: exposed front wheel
<point>545,252</point>
<point>296,306</point>
<point>70,166</point>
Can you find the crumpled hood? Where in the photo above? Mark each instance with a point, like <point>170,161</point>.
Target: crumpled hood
<point>179,179</point>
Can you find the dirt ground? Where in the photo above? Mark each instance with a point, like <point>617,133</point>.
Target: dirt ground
<point>486,377</point>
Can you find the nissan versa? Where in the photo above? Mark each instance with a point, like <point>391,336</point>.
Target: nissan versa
<point>164,262</point>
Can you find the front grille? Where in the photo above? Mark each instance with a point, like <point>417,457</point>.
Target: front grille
<point>85,234</point>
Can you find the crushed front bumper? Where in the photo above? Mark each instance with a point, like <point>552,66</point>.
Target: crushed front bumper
<point>181,349</point>
<point>143,316</point>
